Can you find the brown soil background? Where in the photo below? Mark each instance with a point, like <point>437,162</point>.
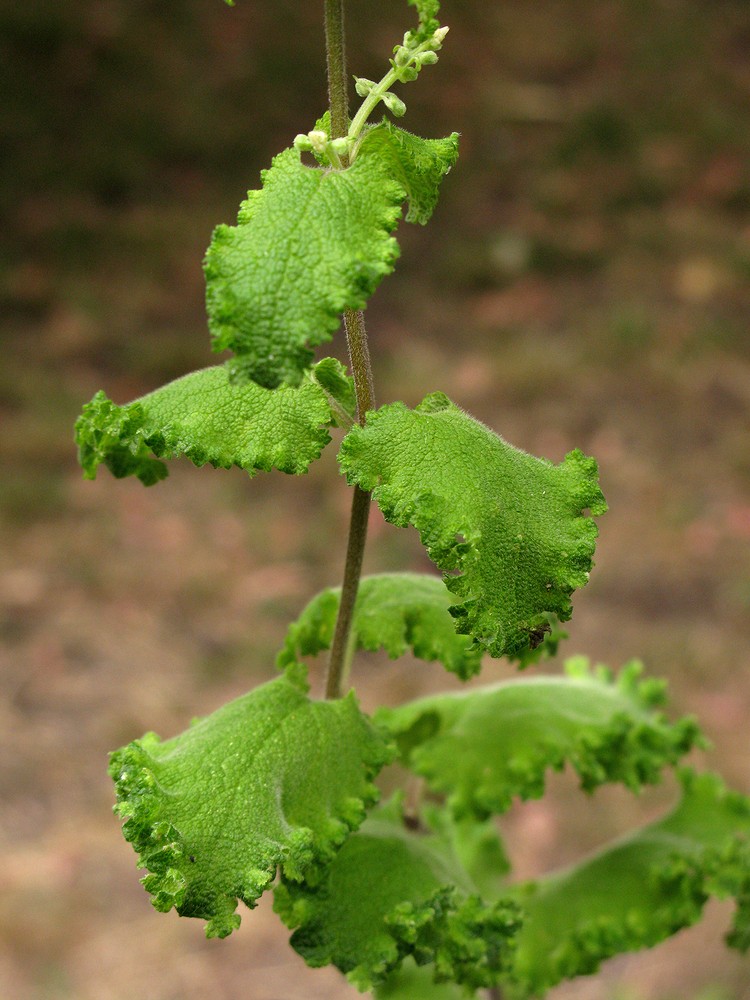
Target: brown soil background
<point>584,283</point>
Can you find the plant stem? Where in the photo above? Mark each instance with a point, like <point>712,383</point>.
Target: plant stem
<point>359,355</point>
<point>337,664</point>
<point>376,95</point>
<point>370,102</point>
<point>336,65</point>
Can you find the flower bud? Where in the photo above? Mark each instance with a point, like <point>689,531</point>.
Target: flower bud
<point>340,146</point>
<point>302,143</point>
<point>318,141</point>
<point>436,42</point>
<point>363,86</point>
<point>427,58</point>
<point>394,104</point>
<point>408,73</point>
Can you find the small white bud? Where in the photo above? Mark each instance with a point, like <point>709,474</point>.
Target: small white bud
<point>436,42</point>
<point>318,141</point>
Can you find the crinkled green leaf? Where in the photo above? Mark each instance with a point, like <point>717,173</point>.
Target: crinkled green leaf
<point>270,781</point>
<point>419,165</point>
<point>209,418</point>
<point>483,747</point>
<point>478,846</point>
<point>640,890</point>
<point>390,893</point>
<point>511,526</point>
<point>308,245</point>
<point>397,612</point>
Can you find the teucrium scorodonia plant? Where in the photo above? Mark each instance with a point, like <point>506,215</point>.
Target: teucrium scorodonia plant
<point>408,897</point>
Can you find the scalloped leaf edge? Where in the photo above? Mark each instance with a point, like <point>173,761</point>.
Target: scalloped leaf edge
<point>631,751</point>
<point>161,847</point>
<point>129,442</point>
<point>312,632</point>
<point>452,543</point>
<point>467,940</point>
<point>688,878</point>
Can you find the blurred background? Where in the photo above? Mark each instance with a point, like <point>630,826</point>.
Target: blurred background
<point>584,283</point>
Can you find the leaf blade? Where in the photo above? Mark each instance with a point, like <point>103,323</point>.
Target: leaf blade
<point>483,748</point>
<point>419,165</point>
<point>271,780</point>
<point>640,890</point>
<point>310,244</point>
<point>397,612</point>
<point>209,419</point>
<point>390,894</point>
<point>508,530</point>
<point>416,982</point>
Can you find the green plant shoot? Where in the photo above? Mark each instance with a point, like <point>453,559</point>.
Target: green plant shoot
<point>277,790</point>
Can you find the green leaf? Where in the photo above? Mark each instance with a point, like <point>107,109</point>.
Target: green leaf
<point>209,418</point>
<point>483,747</point>
<point>478,846</point>
<point>331,376</point>
<point>552,634</point>
<point>312,243</point>
<point>397,612</point>
<point>640,890</point>
<point>511,526</point>
<point>271,780</point>
<point>390,893</point>
<point>415,982</point>
<point>418,165</point>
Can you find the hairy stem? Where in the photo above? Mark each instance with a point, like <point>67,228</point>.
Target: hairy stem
<point>337,664</point>
<point>359,355</point>
<point>336,65</point>
<point>356,337</point>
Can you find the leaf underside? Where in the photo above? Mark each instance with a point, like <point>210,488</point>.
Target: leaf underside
<point>639,891</point>
<point>484,747</point>
<point>210,419</point>
<point>389,894</point>
<point>418,165</point>
<point>270,781</point>
<point>508,529</point>
<point>398,612</point>
<point>629,895</point>
<point>417,982</point>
